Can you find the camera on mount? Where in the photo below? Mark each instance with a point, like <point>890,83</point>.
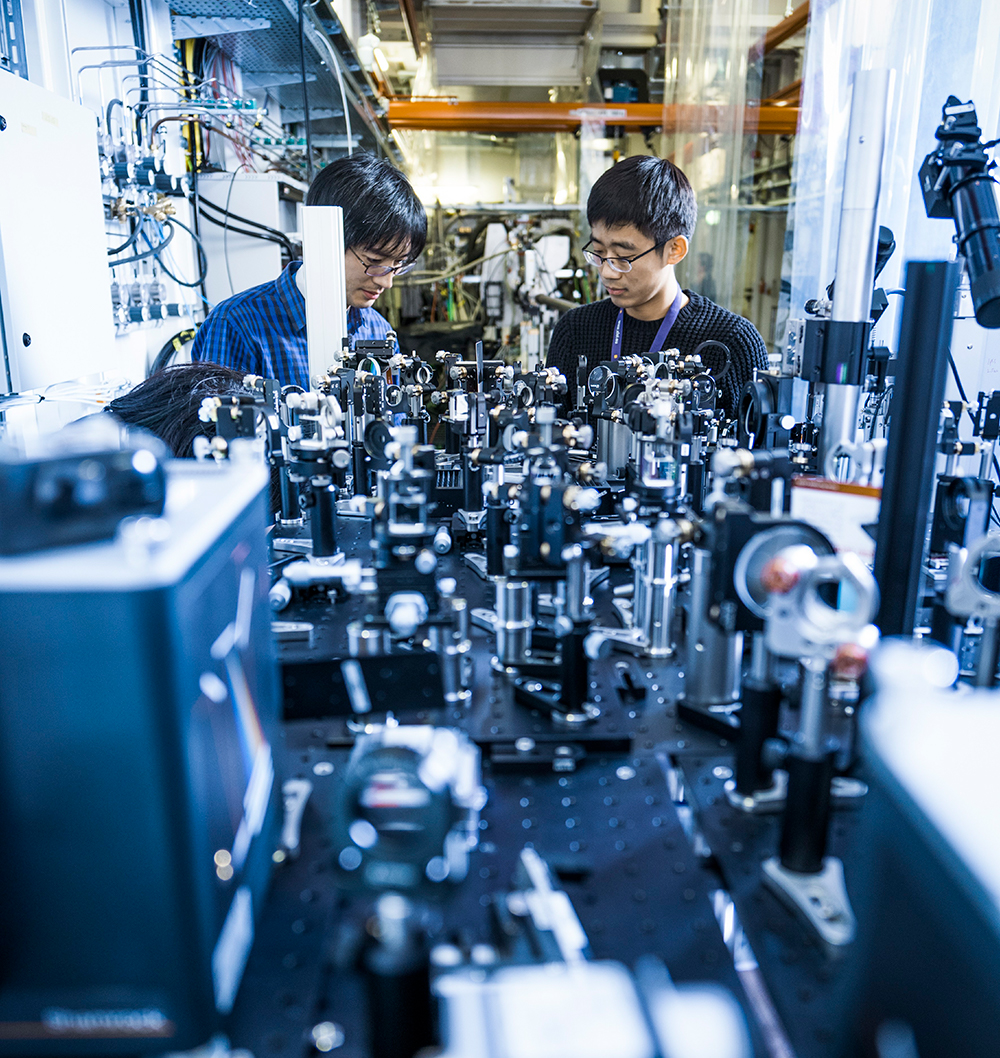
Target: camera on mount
<point>955,181</point>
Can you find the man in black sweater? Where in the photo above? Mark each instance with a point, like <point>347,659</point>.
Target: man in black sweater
<point>642,214</point>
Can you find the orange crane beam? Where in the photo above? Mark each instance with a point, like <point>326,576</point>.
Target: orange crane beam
<point>452,115</point>
<point>789,96</point>
<point>777,35</point>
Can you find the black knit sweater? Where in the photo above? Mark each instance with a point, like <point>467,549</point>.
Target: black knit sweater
<point>589,331</point>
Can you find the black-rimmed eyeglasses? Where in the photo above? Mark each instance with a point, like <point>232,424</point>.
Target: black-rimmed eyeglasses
<point>382,270</point>
<point>616,264</point>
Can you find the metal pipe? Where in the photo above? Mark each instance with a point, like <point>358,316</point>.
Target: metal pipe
<point>840,418</point>
<point>758,657</point>
<point>462,116</point>
<point>714,658</point>
<point>576,582</point>
<point>986,460</point>
<point>812,712</point>
<point>561,304</point>
<point>514,620</point>
<point>657,598</point>
<point>363,641</point>
<point>639,605</point>
<point>614,442</point>
<point>852,292</point>
<point>455,651</point>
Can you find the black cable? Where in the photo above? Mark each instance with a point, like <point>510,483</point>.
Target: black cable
<point>958,381</point>
<point>202,258</point>
<point>171,348</point>
<point>965,400</point>
<point>195,198</point>
<point>241,231</point>
<point>240,219</point>
<point>249,234</point>
<point>305,88</point>
<point>278,236</point>
<point>725,367</point>
<point>107,114</point>
<point>181,282</point>
<point>130,240</point>
<point>885,395</point>
<point>152,252</point>
<point>137,18</point>
<point>197,241</point>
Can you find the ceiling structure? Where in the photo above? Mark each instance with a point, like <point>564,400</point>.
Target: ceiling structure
<point>520,65</point>
<point>488,66</point>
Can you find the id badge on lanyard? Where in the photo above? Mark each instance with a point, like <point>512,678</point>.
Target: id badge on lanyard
<point>661,335</point>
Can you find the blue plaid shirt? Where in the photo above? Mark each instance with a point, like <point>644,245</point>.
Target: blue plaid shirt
<point>262,331</point>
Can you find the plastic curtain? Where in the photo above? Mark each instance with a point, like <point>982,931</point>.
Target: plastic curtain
<point>706,67</point>
<point>933,47</point>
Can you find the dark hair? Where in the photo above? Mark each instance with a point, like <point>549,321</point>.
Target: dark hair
<point>651,194</point>
<point>381,211</point>
<point>167,403</point>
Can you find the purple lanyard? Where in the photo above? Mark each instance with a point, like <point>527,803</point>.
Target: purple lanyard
<point>661,335</point>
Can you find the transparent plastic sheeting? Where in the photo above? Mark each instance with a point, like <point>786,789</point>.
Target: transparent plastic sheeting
<point>934,48</point>
<point>706,65</point>
<point>27,419</point>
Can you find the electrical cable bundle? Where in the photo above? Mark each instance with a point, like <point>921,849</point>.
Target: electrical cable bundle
<point>224,82</point>
<point>202,258</point>
<point>170,349</point>
<point>262,230</point>
<point>165,240</point>
<point>130,241</point>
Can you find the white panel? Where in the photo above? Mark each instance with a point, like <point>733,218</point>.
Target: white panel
<point>326,297</point>
<point>238,262</point>
<point>514,42</point>
<point>478,17</point>
<point>53,264</point>
<point>502,62</point>
<point>187,26</point>
<point>622,26</point>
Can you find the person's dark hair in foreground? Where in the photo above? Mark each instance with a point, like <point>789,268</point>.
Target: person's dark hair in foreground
<point>381,212</point>
<point>167,403</point>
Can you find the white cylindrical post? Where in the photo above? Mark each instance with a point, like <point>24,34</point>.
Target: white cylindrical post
<point>852,292</point>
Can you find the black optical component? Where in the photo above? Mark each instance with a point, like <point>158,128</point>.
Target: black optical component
<point>956,182</point>
<point>76,499</point>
